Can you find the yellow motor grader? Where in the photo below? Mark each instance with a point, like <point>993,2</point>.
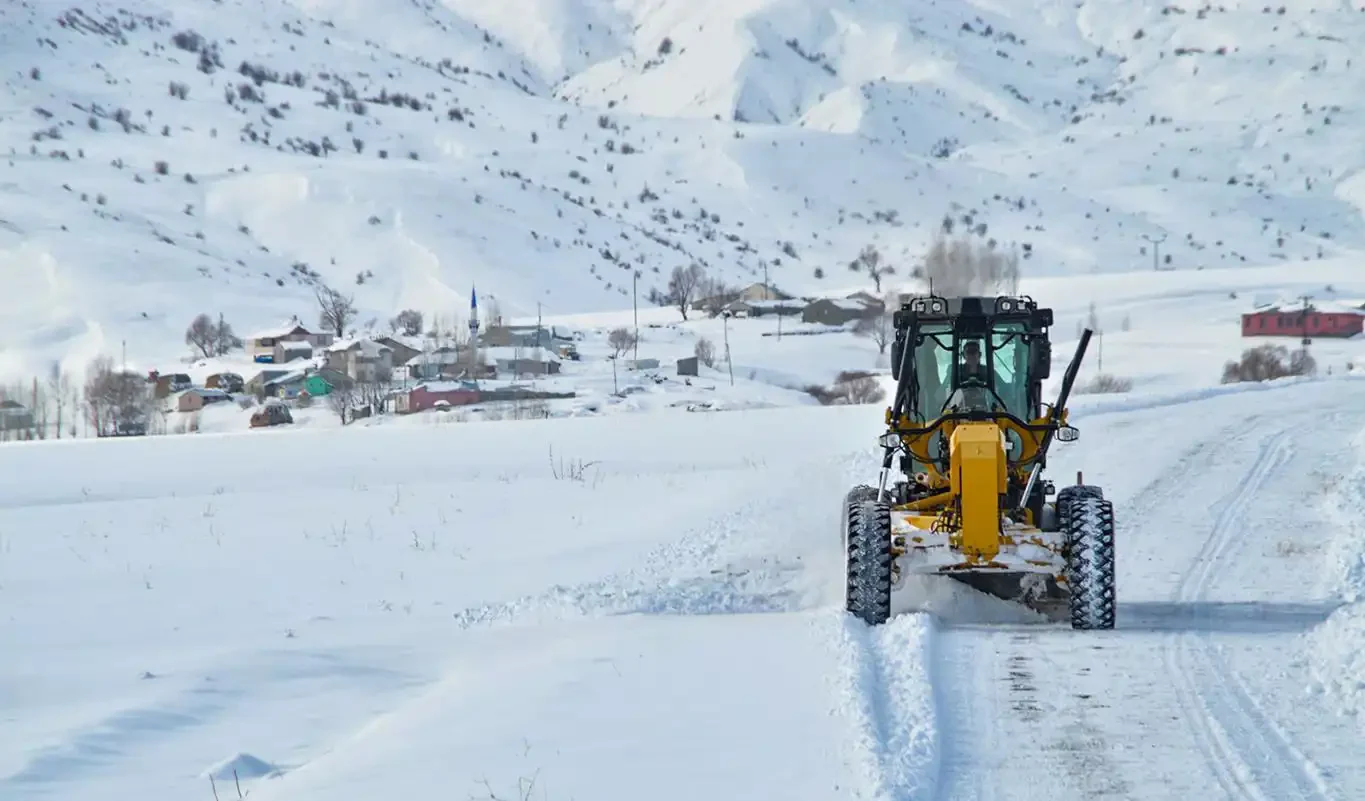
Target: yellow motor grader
<point>970,433</point>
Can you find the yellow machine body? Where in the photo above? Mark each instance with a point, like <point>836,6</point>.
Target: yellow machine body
<point>964,529</point>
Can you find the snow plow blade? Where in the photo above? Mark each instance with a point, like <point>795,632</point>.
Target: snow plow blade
<point>1036,591</point>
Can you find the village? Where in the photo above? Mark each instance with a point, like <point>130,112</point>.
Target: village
<point>495,369</point>
<point>499,370</point>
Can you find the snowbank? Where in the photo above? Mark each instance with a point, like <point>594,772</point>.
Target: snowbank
<point>1337,647</point>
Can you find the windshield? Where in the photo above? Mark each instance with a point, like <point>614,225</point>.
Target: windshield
<point>933,369</point>
<point>969,384</point>
<point>1010,354</point>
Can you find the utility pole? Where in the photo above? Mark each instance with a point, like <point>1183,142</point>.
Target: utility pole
<point>635,309</point>
<point>767,292</point>
<point>1156,249</point>
<point>1303,322</point>
<point>729,364</point>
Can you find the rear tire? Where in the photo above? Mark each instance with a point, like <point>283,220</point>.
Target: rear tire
<point>1088,522</point>
<point>868,546</point>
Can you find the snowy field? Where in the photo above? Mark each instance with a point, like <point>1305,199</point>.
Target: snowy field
<point>382,613</point>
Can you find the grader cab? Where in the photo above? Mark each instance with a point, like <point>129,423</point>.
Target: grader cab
<point>962,492</point>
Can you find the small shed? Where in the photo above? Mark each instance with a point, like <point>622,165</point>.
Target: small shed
<point>292,350</point>
<point>169,384</point>
<point>14,416</point>
<point>836,311</point>
<point>192,400</point>
<point>426,395</point>
<point>689,365</point>
<point>228,382</point>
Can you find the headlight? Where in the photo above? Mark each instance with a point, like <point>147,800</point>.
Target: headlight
<point>939,306</point>
<point>890,440</point>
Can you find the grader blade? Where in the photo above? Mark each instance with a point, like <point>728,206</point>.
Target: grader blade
<point>1036,591</point>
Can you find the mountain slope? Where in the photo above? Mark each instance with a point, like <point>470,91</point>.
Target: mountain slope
<point>167,159</point>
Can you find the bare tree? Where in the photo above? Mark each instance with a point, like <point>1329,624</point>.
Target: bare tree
<point>374,390</point>
<point>879,327</point>
<point>59,389</point>
<point>210,338</point>
<point>336,311</point>
<point>683,285</point>
<point>870,261</point>
<point>408,321</point>
<point>961,267</point>
<point>493,312</point>
<point>114,397</point>
<point>620,340</point>
<point>202,335</point>
<point>343,400</point>
<point>716,295</point>
<point>224,339</point>
<point>705,351</point>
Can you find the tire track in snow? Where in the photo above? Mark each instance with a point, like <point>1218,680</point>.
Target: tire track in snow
<point>1248,751</point>
<point>890,705</point>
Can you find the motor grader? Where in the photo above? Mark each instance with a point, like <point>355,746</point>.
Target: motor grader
<point>969,433</point>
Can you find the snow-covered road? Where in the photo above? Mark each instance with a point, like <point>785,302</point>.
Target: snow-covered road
<point>1201,692</point>
<point>655,608</point>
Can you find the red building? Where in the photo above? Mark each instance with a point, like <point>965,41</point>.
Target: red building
<point>425,396</point>
<point>1298,322</point>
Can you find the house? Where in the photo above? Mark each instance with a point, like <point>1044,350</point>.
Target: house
<point>517,336</point>
<point>166,385</point>
<point>261,345</point>
<point>522,361</point>
<point>427,394</point>
<point>288,385</point>
<point>866,297</point>
<point>321,383</point>
<point>194,399</point>
<point>257,384</point>
<point>753,292</point>
<point>228,382</point>
<point>433,364</point>
<point>361,359</point>
<point>762,308</point>
<point>1297,321</point>
<point>289,350</point>
<point>837,311</point>
<point>14,416</point>
<point>402,351</point>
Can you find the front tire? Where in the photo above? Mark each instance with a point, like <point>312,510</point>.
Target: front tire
<point>1088,522</point>
<point>868,546</point>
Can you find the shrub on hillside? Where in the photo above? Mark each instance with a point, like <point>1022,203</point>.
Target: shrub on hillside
<point>1104,383</point>
<point>850,388</point>
<point>705,352</point>
<point>1267,363</point>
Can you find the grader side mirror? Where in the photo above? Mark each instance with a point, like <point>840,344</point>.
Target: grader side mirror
<point>1068,434</point>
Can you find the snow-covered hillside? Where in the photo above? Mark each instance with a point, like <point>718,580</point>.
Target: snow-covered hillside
<point>165,159</point>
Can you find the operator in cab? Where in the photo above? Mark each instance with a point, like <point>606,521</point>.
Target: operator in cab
<point>972,393</point>
<point>971,366</point>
